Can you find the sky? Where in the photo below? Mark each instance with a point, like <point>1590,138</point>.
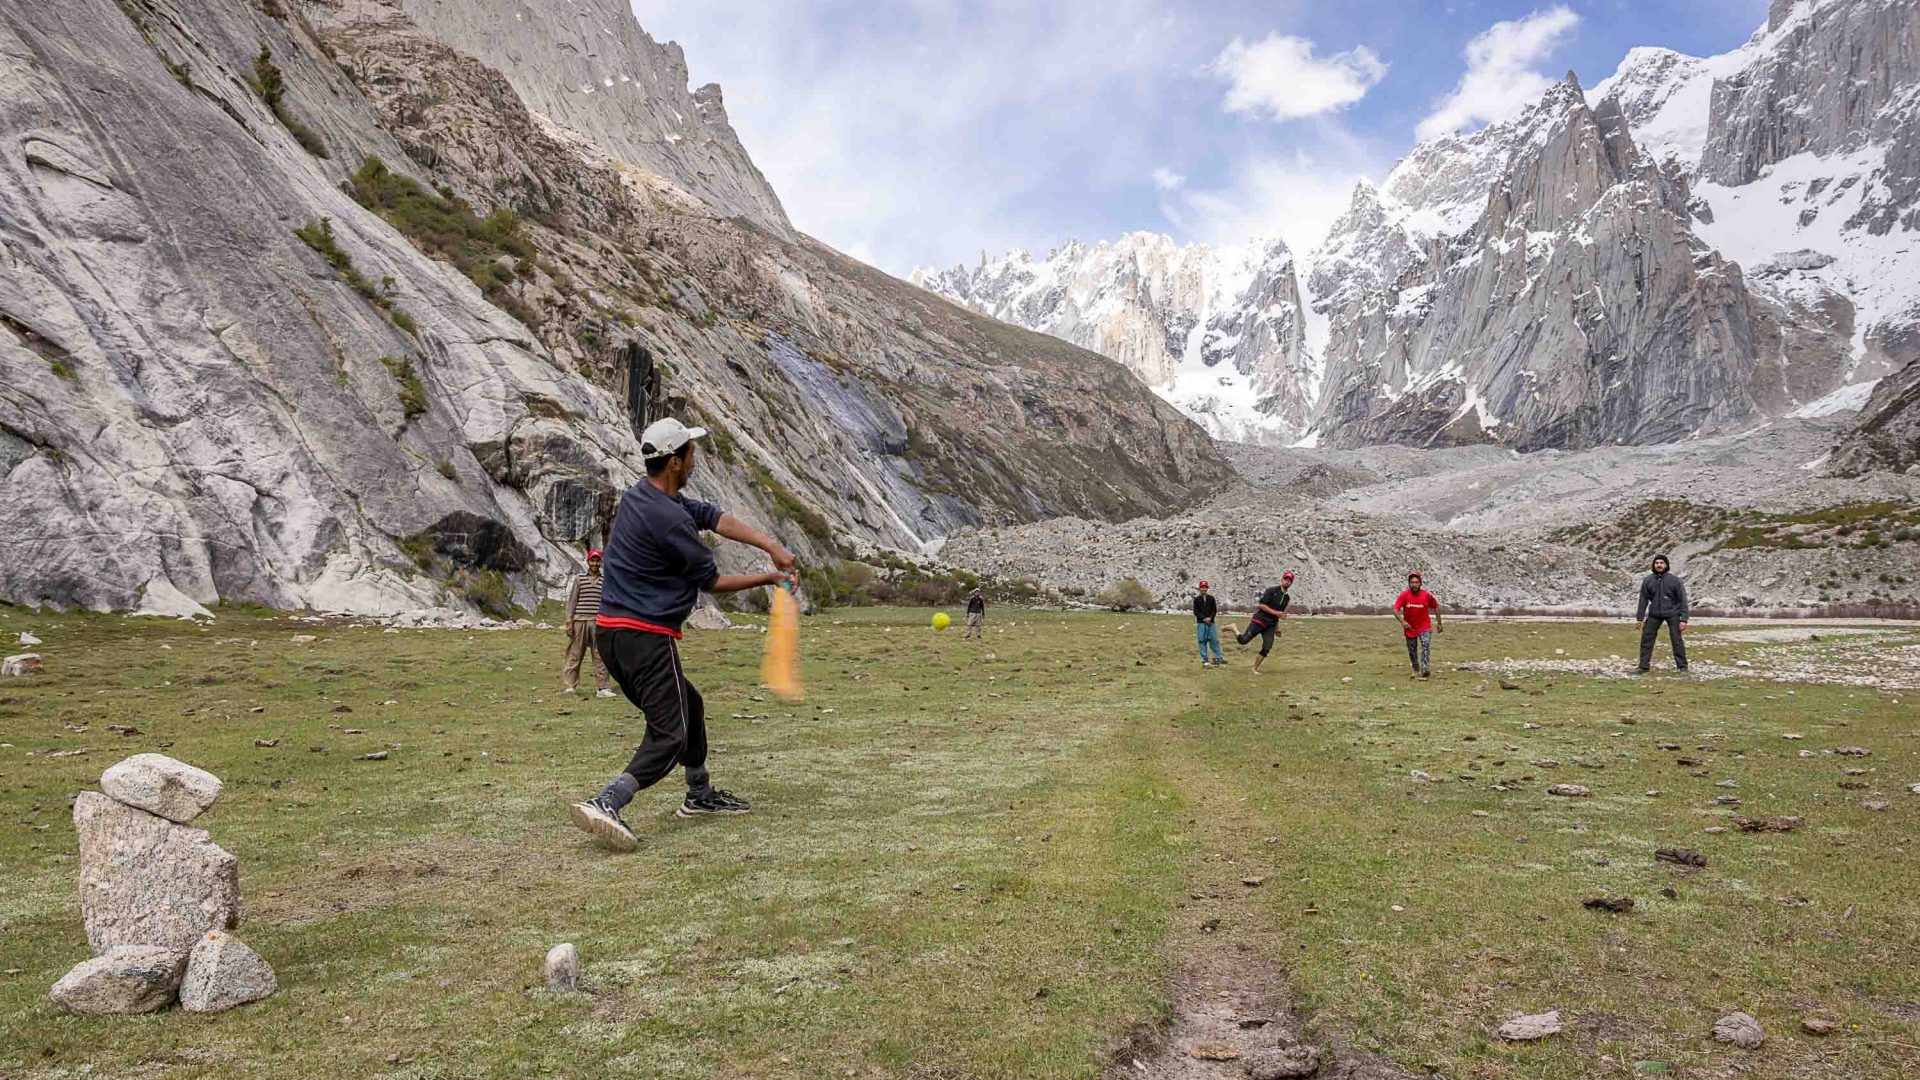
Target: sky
<point>913,133</point>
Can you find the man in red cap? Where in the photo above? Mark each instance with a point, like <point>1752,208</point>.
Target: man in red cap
<point>1205,607</point>
<point>583,607</point>
<point>1265,622</point>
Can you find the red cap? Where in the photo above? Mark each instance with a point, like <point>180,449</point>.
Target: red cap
<point>594,554</point>
<point>1288,576</point>
<point>1203,584</point>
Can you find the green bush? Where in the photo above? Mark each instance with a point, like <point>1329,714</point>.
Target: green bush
<point>1125,595</point>
<point>490,250</point>
<point>413,393</point>
<point>487,590</point>
<point>271,85</point>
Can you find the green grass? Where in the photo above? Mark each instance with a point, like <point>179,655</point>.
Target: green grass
<point>413,393</point>
<point>959,833</point>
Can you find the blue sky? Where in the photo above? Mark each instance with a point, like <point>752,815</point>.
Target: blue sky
<point>923,132</point>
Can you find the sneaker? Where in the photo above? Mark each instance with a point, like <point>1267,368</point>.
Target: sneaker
<point>602,822</point>
<point>603,692</point>
<point>566,689</point>
<point>712,801</point>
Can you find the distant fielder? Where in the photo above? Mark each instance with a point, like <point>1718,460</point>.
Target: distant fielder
<point>976,614</point>
<point>1419,616</point>
<point>1663,599</point>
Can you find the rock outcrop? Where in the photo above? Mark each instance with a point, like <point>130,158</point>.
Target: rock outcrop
<point>381,343</point>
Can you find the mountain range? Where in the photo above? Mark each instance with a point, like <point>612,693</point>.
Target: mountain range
<point>1691,246</point>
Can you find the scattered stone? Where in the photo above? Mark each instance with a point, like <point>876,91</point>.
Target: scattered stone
<point>1816,1025</point>
<point>1530,1028</point>
<point>223,973</point>
<point>1287,1064</point>
<point>1608,903</point>
<point>126,980</point>
<point>27,638</point>
<point>1680,856</point>
<point>1505,685</point>
<point>1726,800</point>
<point>161,785</point>
<point>563,968</point>
<point>147,881</point>
<point>1853,751</point>
<point>1571,791</point>
<point>1792,736</point>
<point>1253,882</point>
<point>1739,1029</point>
<point>23,664</point>
<point>1874,804</point>
<point>304,639</point>
<point>1769,823</point>
<point>1213,1051</point>
<point>377,755</point>
<point>1422,777</point>
<point>266,744</point>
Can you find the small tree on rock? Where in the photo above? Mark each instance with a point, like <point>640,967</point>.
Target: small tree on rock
<point>1125,595</point>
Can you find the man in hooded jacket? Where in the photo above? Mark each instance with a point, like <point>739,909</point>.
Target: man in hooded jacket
<point>1663,599</point>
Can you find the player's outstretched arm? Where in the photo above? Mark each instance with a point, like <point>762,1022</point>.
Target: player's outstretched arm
<point>740,532</point>
<point>727,583</point>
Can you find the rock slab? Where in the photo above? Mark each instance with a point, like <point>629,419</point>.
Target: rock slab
<point>1284,1064</point>
<point>563,968</point>
<point>1739,1029</point>
<point>147,881</point>
<point>161,785</point>
<point>23,664</point>
<point>223,973</point>
<point>1531,1028</point>
<point>126,981</point>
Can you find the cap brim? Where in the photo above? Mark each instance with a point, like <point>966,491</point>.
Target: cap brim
<point>695,433</point>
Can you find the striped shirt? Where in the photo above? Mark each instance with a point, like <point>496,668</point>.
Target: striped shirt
<point>583,603</point>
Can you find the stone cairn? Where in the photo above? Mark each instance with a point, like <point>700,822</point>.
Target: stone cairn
<point>159,899</point>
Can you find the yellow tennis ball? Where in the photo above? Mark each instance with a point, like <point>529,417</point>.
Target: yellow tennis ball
<point>941,620</point>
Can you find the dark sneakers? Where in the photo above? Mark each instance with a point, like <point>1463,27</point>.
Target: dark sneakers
<point>712,801</point>
<point>602,822</point>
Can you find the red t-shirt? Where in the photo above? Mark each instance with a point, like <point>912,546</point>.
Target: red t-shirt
<point>1418,611</point>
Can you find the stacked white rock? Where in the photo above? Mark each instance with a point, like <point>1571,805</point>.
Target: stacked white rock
<point>158,898</point>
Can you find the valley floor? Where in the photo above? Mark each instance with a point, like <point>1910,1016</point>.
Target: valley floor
<point>1018,858</point>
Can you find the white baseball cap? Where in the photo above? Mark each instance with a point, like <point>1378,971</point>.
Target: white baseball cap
<point>666,436</point>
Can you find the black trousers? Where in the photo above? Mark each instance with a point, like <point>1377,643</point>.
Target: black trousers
<point>647,669</point>
<point>1651,630</point>
<point>1265,632</point>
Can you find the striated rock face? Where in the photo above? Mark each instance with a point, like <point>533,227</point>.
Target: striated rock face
<point>590,66</point>
<point>198,405</point>
<point>146,881</point>
<point>1218,332</point>
<point>1576,310</point>
<point>125,981</point>
<point>1888,435</point>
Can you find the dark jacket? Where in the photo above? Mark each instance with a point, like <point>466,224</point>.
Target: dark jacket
<point>655,565</point>
<point>1663,596</point>
<point>1205,607</point>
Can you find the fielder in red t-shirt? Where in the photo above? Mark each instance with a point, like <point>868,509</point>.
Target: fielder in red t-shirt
<point>1419,616</point>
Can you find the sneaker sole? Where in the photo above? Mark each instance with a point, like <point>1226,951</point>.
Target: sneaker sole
<point>604,830</point>
<point>686,813</point>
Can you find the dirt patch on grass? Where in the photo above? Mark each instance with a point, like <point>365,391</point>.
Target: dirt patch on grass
<point>1233,1017</point>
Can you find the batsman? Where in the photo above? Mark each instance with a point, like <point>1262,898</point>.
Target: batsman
<point>655,567</point>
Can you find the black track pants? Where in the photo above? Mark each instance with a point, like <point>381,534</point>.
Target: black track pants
<point>1651,630</point>
<point>646,667</point>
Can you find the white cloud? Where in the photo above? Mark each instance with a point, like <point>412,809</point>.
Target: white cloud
<point>1165,179</point>
<point>1500,80</point>
<point>1279,78</point>
<point>1295,197</point>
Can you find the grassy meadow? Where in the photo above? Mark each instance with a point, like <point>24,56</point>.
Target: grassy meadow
<point>981,859</point>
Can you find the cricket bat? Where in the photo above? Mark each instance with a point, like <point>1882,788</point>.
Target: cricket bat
<point>780,665</point>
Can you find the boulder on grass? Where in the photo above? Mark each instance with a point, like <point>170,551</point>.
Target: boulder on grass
<point>161,785</point>
<point>563,968</point>
<point>126,981</point>
<point>23,664</point>
<point>223,973</point>
<point>147,881</point>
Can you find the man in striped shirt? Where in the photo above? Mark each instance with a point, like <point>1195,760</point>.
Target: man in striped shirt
<point>583,607</point>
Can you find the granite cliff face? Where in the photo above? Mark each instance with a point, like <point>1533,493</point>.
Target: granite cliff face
<point>1217,332</point>
<point>302,305</point>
